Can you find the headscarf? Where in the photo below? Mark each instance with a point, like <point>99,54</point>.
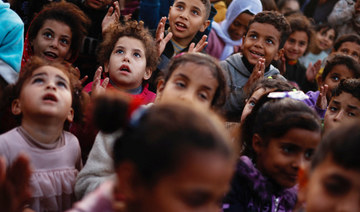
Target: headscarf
<point>234,10</point>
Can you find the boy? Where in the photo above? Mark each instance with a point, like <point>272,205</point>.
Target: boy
<point>348,44</point>
<point>344,104</point>
<point>263,43</point>
<point>337,68</point>
<point>186,19</point>
<point>333,181</point>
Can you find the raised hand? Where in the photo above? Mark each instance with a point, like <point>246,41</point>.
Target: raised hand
<point>112,16</point>
<point>313,70</point>
<point>97,87</point>
<point>161,41</point>
<point>257,74</point>
<point>199,46</point>
<point>321,101</point>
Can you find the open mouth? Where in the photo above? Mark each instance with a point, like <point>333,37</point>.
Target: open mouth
<point>51,55</point>
<point>125,68</point>
<point>180,26</point>
<point>257,53</point>
<point>50,97</point>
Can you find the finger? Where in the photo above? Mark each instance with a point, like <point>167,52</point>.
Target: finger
<point>117,9</point>
<point>191,47</point>
<point>98,73</point>
<point>110,11</point>
<point>262,66</point>
<point>83,80</point>
<point>160,32</point>
<point>201,47</point>
<point>105,82</point>
<point>168,37</point>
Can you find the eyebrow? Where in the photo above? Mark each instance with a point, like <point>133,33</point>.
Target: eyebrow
<point>353,107</point>
<point>45,74</point>
<point>122,47</point>
<point>188,79</point>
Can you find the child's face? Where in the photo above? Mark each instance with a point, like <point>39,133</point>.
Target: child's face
<point>251,102</point>
<point>190,82</point>
<point>295,46</point>
<point>282,157</point>
<point>186,18</point>
<point>350,48</point>
<point>237,29</point>
<point>342,108</point>
<point>53,41</point>
<point>98,4</point>
<point>290,6</point>
<point>332,187</point>
<point>199,184</point>
<point>261,41</point>
<point>325,40</point>
<point>46,94</point>
<point>127,64</point>
<point>338,73</point>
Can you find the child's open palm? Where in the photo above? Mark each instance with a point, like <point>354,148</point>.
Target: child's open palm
<point>199,46</point>
<point>313,70</point>
<point>97,87</point>
<point>111,17</point>
<point>161,41</point>
<point>321,100</point>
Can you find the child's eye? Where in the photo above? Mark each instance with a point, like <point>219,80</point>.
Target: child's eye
<point>351,114</point>
<point>335,187</point>
<point>65,41</point>
<point>335,78</point>
<point>269,41</point>
<point>61,84</point>
<point>47,35</point>
<point>195,12</point>
<point>119,51</point>
<point>38,81</point>
<point>203,95</point>
<point>288,149</point>
<point>308,154</point>
<point>252,103</point>
<point>236,23</point>
<point>180,7</point>
<point>253,36</point>
<point>332,108</point>
<point>137,55</point>
<point>180,84</point>
<point>195,200</point>
<point>302,43</point>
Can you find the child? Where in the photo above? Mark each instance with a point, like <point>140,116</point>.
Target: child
<point>333,181</point>
<point>44,97</point>
<point>129,55</point>
<point>344,104</point>
<point>203,85</point>
<point>260,88</point>
<point>225,38</point>
<point>321,43</point>
<point>348,44</point>
<point>336,69</point>
<point>56,33</point>
<point>288,6</point>
<point>279,136</point>
<point>168,158</point>
<point>263,43</point>
<point>295,46</point>
<point>186,19</point>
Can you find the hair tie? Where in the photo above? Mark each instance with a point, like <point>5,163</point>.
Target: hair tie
<point>297,95</point>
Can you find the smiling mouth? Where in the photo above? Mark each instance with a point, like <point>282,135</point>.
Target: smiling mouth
<point>50,55</point>
<point>180,26</point>
<point>257,53</point>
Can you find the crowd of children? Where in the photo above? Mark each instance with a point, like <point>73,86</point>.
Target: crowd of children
<point>256,108</point>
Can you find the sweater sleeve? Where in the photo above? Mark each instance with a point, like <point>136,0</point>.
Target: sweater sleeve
<point>99,166</point>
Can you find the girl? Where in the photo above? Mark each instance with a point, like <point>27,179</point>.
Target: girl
<point>225,38</point>
<point>278,136</point>
<point>169,158</point>
<point>44,97</point>
<point>56,33</point>
<point>321,43</point>
<point>129,56</point>
<point>295,47</point>
<point>194,78</point>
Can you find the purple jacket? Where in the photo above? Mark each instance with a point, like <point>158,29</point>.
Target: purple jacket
<point>251,191</point>
<point>311,102</point>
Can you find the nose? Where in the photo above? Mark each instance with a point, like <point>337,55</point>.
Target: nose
<point>339,116</point>
<point>51,85</point>
<point>299,161</point>
<point>126,57</point>
<point>187,96</point>
<point>184,14</point>
<point>54,43</point>
<point>259,43</point>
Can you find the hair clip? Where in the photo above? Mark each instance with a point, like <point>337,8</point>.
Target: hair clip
<point>297,95</point>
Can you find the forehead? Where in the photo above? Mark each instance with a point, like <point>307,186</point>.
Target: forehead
<point>130,42</point>
<point>299,35</point>
<point>56,25</point>
<point>346,99</point>
<point>192,3</point>
<point>350,45</point>
<point>300,137</point>
<point>50,71</point>
<point>264,29</point>
<point>341,70</point>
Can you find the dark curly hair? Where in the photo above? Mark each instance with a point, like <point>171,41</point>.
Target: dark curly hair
<point>131,29</point>
<point>277,20</point>
<point>68,14</point>
<point>351,86</point>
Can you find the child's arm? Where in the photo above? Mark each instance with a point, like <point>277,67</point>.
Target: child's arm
<point>160,40</point>
<point>257,74</point>
<point>98,87</point>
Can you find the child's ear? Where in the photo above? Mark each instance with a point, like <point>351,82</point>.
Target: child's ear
<point>278,54</point>
<point>159,88</point>
<point>147,73</point>
<point>204,26</point>
<point>106,67</point>
<point>126,178</point>
<point>68,55</point>
<point>70,116</point>
<point>257,143</point>
<point>16,107</point>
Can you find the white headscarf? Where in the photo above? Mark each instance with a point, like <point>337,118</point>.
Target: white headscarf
<point>235,8</point>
